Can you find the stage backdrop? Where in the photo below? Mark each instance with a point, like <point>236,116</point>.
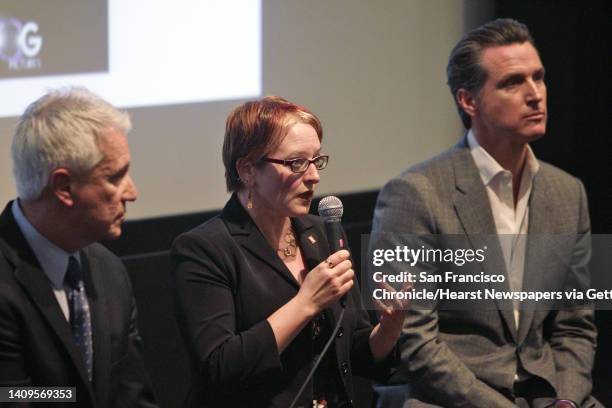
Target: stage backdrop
<point>374,72</point>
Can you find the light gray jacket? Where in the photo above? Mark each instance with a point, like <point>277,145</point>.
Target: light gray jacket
<point>468,358</point>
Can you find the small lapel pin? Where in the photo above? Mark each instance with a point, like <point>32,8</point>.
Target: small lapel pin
<point>312,239</point>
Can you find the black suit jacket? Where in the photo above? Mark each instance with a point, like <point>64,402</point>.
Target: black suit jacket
<point>36,343</point>
<point>228,281</point>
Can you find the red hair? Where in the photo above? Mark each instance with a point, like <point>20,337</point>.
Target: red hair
<point>256,128</point>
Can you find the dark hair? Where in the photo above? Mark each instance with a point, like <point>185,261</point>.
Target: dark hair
<point>256,128</point>
<point>464,69</point>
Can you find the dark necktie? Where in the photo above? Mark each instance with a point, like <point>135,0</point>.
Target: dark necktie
<point>80,319</point>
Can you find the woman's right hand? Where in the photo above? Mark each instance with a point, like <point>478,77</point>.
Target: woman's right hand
<point>322,286</point>
<point>327,283</point>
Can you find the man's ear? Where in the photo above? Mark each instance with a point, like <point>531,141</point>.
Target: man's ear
<point>246,172</point>
<point>467,101</point>
<point>61,185</point>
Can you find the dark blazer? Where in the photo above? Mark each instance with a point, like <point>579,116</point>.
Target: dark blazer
<point>228,281</point>
<point>468,358</point>
<point>36,343</point>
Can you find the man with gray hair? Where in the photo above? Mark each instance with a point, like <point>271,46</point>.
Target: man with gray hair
<point>491,188</point>
<point>67,313</point>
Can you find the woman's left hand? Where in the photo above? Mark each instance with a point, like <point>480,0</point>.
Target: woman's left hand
<point>387,331</point>
<point>392,312</point>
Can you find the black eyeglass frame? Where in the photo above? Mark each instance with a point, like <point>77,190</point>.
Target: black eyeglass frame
<point>291,162</point>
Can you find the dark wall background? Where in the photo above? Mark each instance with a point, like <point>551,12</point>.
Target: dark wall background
<point>572,37</point>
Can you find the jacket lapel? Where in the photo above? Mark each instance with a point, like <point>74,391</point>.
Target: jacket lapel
<point>246,234</point>
<point>35,283</point>
<point>312,242</point>
<point>474,211</point>
<point>540,220</point>
<point>315,248</point>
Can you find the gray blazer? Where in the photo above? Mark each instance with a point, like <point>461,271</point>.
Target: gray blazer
<point>468,358</point>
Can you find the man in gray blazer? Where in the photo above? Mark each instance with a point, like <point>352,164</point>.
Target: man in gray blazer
<point>501,354</point>
<point>67,314</point>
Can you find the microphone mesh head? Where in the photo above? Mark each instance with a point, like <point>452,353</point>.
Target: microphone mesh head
<point>330,207</point>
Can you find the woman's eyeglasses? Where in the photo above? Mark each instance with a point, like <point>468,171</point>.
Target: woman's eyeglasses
<point>300,165</point>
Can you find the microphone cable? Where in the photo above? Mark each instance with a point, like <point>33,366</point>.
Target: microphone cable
<point>316,364</point>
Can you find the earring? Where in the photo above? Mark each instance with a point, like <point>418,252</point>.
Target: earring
<point>250,199</point>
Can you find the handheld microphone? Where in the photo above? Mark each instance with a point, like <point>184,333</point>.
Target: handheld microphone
<point>331,210</point>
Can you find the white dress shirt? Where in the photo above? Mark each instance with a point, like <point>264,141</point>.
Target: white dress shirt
<point>511,219</point>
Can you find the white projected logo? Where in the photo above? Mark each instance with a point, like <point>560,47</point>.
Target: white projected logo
<point>20,44</point>
<point>206,51</point>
